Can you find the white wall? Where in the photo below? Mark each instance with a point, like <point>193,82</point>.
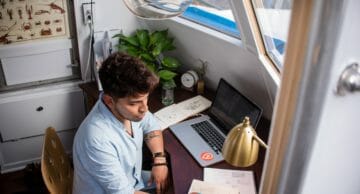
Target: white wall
<point>227,56</point>
<point>111,15</point>
<point>227,59</point>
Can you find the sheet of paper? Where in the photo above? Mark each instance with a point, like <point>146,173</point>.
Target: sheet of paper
<point>194,105</point>
<point>201,187</point>
<point>168,116</point>
<point>241,180</point>
<point>177,112</point>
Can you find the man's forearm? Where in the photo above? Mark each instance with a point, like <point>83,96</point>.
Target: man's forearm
<point>154,141</point>
<point>159,171</point>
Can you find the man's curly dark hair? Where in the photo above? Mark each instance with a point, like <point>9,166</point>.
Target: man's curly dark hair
<point>122,75</point>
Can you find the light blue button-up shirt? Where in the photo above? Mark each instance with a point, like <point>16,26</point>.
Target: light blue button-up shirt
<point>106,158</point>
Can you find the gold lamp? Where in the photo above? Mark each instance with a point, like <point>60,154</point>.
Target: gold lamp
<point>241,146</point>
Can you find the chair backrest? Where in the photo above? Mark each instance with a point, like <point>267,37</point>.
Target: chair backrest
<point>56,168</point>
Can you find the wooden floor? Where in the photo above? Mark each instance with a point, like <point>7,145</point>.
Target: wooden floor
<point>27,181</point>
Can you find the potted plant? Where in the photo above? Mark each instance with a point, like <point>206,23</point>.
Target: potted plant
<point>149,47</point>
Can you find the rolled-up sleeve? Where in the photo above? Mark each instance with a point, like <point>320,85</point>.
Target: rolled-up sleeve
<point>149,123</point>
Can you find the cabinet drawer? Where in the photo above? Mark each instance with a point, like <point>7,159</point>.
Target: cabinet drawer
<point>17,154</point>
<point>32,115</point>
<point>37,67</point>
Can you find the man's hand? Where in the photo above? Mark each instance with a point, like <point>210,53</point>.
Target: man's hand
<point>159,175</point>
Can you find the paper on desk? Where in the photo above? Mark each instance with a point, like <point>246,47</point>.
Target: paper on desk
<point>201,187</point>
<point>177,112</point>
<point>241,180</point>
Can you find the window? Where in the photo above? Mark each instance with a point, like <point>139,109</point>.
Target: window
<point>273,17</point>
<point>215,14</point>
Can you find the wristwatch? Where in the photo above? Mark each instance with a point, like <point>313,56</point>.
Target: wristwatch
<point>159,154</point>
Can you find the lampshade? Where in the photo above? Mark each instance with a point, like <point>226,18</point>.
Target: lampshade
<point>157,9</point>
<point>241,146</point>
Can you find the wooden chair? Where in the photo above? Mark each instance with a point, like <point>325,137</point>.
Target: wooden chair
<point>56,168</point>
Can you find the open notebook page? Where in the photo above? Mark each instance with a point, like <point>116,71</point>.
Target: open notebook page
<point>178,112</point>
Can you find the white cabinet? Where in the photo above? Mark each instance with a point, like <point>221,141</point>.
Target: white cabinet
<point>33,62</point>
<point>37,62</point>
<point>61,110</point>
<point>25,114</point>
<point>17,154</point>
<point>38,88</point>
<point>52,65</point>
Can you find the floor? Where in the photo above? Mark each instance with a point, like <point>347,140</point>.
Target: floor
<point>27,181</point>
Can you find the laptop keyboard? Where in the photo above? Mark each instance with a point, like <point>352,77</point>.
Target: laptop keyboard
<point>211,136</point>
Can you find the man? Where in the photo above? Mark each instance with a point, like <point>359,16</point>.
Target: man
<point>107,148</point>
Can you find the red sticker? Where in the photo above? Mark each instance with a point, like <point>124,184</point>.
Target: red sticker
<point>207,156</point>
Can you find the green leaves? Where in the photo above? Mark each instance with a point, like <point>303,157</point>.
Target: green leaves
<point>143,37</point>
<point>151,66</point>
<point>158,36</point>
<point>166,75</point>
<point>146,57</point>
<point>130,40</point>
<point>149,47</point>
<point>160,42</point>
<point>170,63</point>
<point>128,44</point>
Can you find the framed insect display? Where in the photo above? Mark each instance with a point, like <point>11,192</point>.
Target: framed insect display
<point>26,20</point>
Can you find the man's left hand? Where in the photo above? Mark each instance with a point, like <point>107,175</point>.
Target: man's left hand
<point>159,175</point>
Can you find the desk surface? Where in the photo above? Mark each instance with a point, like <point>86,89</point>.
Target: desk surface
<point>183,167</point>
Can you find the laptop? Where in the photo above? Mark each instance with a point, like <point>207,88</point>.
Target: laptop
<point>204,136</point>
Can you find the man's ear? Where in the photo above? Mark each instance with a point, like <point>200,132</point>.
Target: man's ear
<point>108,100</point>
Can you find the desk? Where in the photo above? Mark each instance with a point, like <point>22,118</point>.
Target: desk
<point>183,167</point>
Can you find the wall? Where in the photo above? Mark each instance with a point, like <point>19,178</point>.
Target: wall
<point>110,15</point>
<point>227,56</point>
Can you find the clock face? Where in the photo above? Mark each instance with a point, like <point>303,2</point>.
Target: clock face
<point>189,79</point>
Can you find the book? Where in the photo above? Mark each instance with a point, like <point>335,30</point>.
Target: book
<point>178,112</point>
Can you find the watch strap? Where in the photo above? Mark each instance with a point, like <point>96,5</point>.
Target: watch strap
<point>159,154</point>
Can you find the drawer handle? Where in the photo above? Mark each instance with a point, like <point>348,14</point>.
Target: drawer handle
<point>40,108</point>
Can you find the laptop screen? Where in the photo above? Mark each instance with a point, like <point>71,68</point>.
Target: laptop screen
<point>230,107</point>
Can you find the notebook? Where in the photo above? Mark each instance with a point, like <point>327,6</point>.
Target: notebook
<point>204,136</point>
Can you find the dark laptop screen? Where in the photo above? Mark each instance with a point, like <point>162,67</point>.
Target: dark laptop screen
<point>230,107</point>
